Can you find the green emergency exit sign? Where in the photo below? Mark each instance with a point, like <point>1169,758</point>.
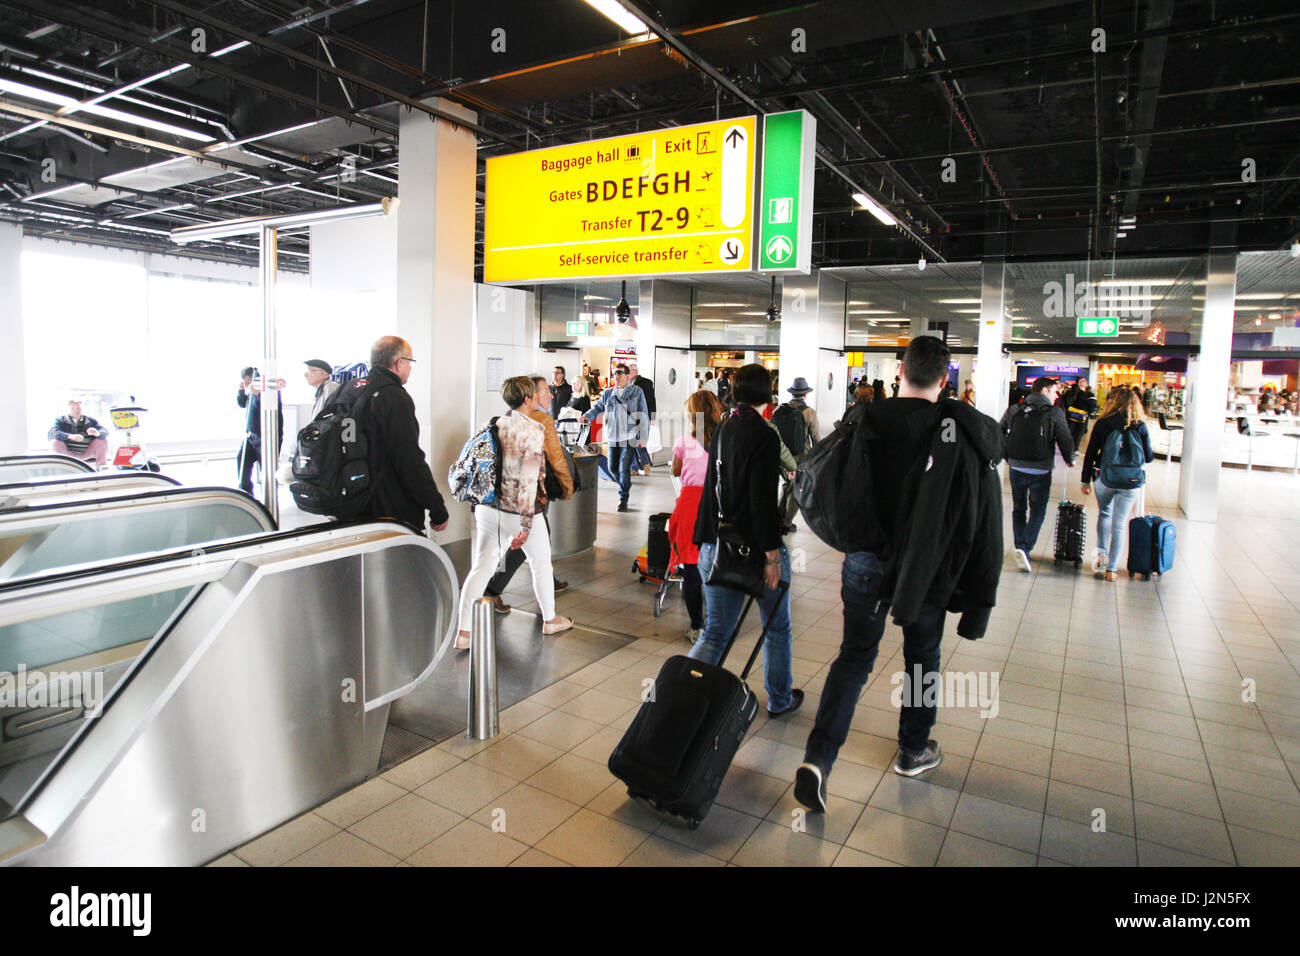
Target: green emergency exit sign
<point>785,209</point>
<point>1095,327</point>
<point>577,328</point>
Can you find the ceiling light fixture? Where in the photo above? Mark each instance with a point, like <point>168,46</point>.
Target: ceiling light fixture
<point>871,206</point>
<point>252,224</point>
<point>46,96</point>
<point>625,18</point>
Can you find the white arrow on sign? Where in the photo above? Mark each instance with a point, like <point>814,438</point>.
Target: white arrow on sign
<point>778,248</point>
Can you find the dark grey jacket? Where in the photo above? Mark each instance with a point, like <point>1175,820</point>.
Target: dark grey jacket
<point>1060,429</point>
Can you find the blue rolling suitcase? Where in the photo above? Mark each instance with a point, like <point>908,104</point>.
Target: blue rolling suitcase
<point>1151,543</point>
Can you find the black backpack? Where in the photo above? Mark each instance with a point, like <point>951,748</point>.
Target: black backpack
<point>1031,436</point>
<point>789,421</point>
<point>330,473</point>
<point>835,490</point>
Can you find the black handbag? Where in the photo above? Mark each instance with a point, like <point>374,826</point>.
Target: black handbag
<point>737,564</point>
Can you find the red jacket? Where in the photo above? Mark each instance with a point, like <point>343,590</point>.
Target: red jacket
<point>681,527</point>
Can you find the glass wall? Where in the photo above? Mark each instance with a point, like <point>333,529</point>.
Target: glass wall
<point>888,304</point>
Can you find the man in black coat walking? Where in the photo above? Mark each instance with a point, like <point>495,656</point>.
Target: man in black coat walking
<point>934,506</point>
<point>402,484</point>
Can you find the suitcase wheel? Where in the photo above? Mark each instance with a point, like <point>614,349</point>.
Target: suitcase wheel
<point>1130,574</point>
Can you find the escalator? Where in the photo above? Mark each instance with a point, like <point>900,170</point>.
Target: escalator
<point>41,535</point>
<point>196,698</point>
<point>27,467</point>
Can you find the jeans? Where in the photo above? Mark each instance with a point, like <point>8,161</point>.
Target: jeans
<point>693,594</point>
<point>1114,506</point>
<point>865,613</point>
<point>722,607</point>
<point>620,459</point>
<point>1031,491</point>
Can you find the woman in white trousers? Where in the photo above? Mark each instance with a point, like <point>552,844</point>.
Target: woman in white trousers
<point>508,523</point>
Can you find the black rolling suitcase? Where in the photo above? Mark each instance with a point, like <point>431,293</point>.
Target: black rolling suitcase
<point>682,741</point>
<point>1071,530</point>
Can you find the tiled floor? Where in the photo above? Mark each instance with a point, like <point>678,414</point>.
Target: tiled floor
<point>1124,734</point>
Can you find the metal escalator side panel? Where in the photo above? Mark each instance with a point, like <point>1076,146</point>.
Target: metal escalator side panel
<point>72,488</point>
<point>251,710</point>
<point>401,648</point>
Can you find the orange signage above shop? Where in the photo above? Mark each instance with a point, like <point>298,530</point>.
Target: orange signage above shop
<point>667,201</point>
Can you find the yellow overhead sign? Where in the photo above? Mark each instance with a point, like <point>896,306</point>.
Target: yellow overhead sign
<point>669,201</point>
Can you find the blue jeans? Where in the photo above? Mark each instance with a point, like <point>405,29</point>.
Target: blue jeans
<point>865,613</point>
<point>620,466</point>
<point>1114,506</point>
<point>722,607</point>
<point>1028,492</point>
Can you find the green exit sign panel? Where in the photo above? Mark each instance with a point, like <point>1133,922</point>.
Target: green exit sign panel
<point>786,203</point>
<point>577,328</point>
<point>1093,326</point>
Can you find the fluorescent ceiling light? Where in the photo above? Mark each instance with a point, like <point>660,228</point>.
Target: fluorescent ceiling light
<point>620,15</point>
<point>965,311</point>
<point>1263,295</point>
<point>718,305</point>
<point>226,228</point>
<point>1128,221</point>
<point>958,301</point>
<point>1121,235</point>
<point>870,205</point>
<point>1125,283</point>
<point>871,311</point>
<point>47,96</point>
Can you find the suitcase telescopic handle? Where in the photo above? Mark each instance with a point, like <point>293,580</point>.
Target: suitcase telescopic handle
<point>781,586</point>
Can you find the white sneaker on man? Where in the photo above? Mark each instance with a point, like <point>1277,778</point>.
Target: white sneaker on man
<point>1022,560</point>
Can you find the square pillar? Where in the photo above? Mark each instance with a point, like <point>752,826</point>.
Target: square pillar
<point>13,424</point>
<point>990,371</point>
<point>435,285</point>
<point>1207,383</point>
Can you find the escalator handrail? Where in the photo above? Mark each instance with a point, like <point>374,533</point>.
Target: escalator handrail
<point>185,554</point>
<point>49,481</point>
<point>43,460</point>
<point>163,495</point>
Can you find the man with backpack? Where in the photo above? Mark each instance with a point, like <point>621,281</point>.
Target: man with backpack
<point>627,424</point>
<point>1079,405</point>
<point>916,505</point>
<point>796,422</point>
<point>392,477</point>
<point>1034,430</point>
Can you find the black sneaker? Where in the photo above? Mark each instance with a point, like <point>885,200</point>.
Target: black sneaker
<point>795,703</point>
<point>810,787</point>
<point>622,506</point>
<point>911,764</point>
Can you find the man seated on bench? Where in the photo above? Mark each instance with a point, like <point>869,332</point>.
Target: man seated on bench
<point>79,436</point>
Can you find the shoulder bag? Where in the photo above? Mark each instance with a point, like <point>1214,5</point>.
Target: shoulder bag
<point>736,563</point>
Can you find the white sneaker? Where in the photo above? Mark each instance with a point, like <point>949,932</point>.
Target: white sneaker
<point>1022,559</point>
<point>1099,560</point>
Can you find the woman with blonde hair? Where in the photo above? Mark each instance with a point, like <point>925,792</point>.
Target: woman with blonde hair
<point>690,464</point>
<point>508,521</point>
<point>1118,449</point>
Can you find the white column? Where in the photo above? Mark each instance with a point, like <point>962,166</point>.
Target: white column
<point>435,286</point>
<point>990,373</point>
<point>1207,383</point>
<point>13,423</point>
<point>799,330</point>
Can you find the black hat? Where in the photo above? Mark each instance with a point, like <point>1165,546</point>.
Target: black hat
<point>320,364</point>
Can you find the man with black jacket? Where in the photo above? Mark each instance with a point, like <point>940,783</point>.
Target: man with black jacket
<point>1035,429</point>
<point>249,396</point>
<point>402,484</point>
<point>935,518</point>
<point>561,392</point>
<point>1079,405</point>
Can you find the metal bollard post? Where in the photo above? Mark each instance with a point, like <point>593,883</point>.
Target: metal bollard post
<point>482,723</point>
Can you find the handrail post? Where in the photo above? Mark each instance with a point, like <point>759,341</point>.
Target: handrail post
<point>482,723</point>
